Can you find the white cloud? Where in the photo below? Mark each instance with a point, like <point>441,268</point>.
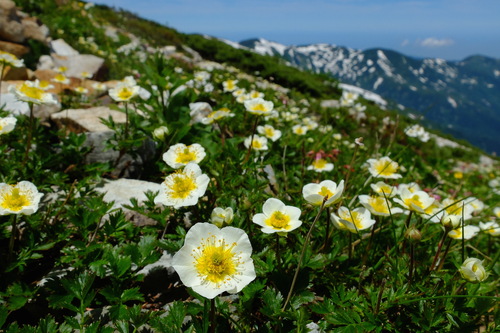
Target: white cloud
<point>435,42</point>
<point>405,42</point>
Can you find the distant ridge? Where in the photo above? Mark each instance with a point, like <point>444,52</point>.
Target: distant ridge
<point>458,97</point>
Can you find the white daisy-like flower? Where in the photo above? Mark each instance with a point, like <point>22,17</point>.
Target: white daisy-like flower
<point>378,205</point>
<point>383,167</point>
<point>199,111</point>
<point>269,132</point>
<point>353,220</point>
<point>45,85</point>
<point>473,270</point>
<point>9,59</point>
<point>99,86</point>
<point>469,232</point>
<point>61,79</point>
<point>320,165</point>
<point>22,198</point>
<point>160,133</point>
<point>492,228</point>
<point>459,208</point>
<point>81,90</point>
<point>316,193</point>
<point>124,92</point>
<point>183,187</point>
<point>255,94</point>
<point>222,216</point>
<point>382,189</point>
<point>277,217</point>
<point>230,85</point>
<point>496,212</point>
<point>179,155</point>
<point>217,115</point>
<point>7,124</point>
<point>259,106</point>
<point>215,260</point>
<point>417,201</point>
<point>258,142</point>
<point>30,92</point>
<point>300,129</point>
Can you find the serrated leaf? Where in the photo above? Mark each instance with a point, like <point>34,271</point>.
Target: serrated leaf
<point>132,294</point>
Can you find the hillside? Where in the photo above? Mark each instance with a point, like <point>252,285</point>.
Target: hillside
<point>153,181</point>
<point>461,98</point>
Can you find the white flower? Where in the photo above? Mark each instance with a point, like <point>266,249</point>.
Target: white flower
<point>269,132</point>
<point>159,133</point>
<point>183,188</point>
<point>417,131</point>
<point>222,217</point>
<point>492,227</point>
<point>496,211</point>
<point>99,86</point>
<point>230,85</point>
<point>382,189</point>
<point>180,155</point>
<point>353,220</point>
<point>383,167</point>
<point>124,92</point>
<point>473,270</point>
<point>378,205</point>
<point>7,124</point>
<point>417,201</point>
<point>258,142</point>
<point>217,115</point>
<point>30,92</point>
<point>457,207</point>
<point>22,198</point>
<point>300,129</point>
<point>259,106</point>
<point>276,217</point>
<point>215,260</point>
<point>8,59</point>
<point>320,165</point>
<point>61,78</point>
<point>469,232</point>
<point>315,193</point>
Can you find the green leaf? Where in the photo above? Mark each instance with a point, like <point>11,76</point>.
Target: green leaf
<point>272,300</point>
<point>132,294</point>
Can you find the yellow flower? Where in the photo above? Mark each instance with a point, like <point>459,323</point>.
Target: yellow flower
<point>259,106</point>
<point>258,142</point>
<point>215,260</point>
<point>378,205</point>
<point>30,92</point>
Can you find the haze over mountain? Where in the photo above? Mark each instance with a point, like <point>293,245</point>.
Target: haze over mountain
<point>459,97</point>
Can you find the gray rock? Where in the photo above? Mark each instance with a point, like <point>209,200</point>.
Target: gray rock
<point>33,30</point>
<point>60,47</point>
<point>120,191</point>
<point>11,28</point>
<point>79,63</point>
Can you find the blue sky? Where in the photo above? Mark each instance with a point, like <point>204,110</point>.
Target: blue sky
<point>449,29</point>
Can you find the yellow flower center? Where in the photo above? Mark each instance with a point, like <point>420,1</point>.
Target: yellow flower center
<point>230,85</point>
<point>299,130</point>
<point>185,156</point>
<point>386,168</point>
<point>414,200</point>
<point>278,220</point>
<point>125,93</point>
<point>216,261</point>
<point>379,205</point>
<point>353,217</point>
<point>325,192</point>
<point>319,163</point>
<point>269,132</point>
<point>259,107</point>
<point>31,92</point>
<point>15,201</point>
<point>256,144</point>
<point>182,186</point>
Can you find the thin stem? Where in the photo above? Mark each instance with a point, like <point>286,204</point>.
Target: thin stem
<point>306,242</point>
<point>212,316</point>
<point>13,236</point>
<point>412,262</point>
<point>30,135</point>
<point>126,120</point>
<point>445,254</point>
<point>1,79</point>
<point>251,139</point>
<point>327,232</point>
<point>438,250</point>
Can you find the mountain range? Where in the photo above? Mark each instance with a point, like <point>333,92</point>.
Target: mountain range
<point>461,98</point>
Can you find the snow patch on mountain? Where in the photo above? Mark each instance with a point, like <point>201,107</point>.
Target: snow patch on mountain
<point>368,95</point>
<point>452,102</point>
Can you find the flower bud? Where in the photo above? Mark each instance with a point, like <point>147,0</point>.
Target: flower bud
<point>413,234</point>
<point>451,221</point>
<point>160,133</point>
<point>222,217</point>
<point>473,271</point>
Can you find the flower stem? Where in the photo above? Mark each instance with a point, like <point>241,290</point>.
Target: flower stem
<point>438,250</point>
<point>212,315</point>
<point>30,135</point>
<point>126,120</point>
<point>306,242</point>
<point>251,140</point>
<point>13,236</point>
